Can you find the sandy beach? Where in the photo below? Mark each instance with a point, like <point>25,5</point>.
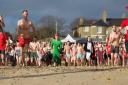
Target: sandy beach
<point>63,75</point>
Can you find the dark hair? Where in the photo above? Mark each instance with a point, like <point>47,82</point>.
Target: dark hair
<point>88,36</point>
<point>25,11</point>
<point>2,22</point>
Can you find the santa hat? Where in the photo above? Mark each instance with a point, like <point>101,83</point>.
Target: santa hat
<point>56,34</point>
<point>124,23</point>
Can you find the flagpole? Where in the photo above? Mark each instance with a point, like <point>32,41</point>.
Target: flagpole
<point>56,27</point>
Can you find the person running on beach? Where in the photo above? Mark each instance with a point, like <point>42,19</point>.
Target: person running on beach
<point>100,53</point>
<point>80,56</point>
<point>125,45</point>
<point>123,54</point>
<point>89,49</point>
<point>18,52</point>
<point>33,53</point>
<point>114,41</point>
<point>56,45</point>
<point>3,40</point>
<point>67,50</point>
<point>39,53</point>
<point>74,52</point>
<point>108,50</point>
<point>23,31</point>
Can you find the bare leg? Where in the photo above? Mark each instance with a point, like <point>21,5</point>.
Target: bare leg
<point>69,61</point>
<point>23,59</point>
<point>123,60</point>
<point>74,62</point>
<point>17,60</point>
<point>112,59</point>
<point>108,61</point>
<point>36,61</point>
<point>116,59</point>
<point>28,60</point>
<point>126,59</point>
<point>89,62</point>
<point>77,61</point>
<point>81,62</point>
<point>6,61</point>
<point>2,57</point>
<point>98,61</point>
<point>39,61</point>
<point>31,61</point>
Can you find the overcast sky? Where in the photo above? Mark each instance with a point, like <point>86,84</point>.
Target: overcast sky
<point>68,9</point>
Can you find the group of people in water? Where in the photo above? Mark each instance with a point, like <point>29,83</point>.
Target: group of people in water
<point>29,51</point>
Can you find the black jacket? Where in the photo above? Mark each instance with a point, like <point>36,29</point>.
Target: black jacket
<point>87,50</point>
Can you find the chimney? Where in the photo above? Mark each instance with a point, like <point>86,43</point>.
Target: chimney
<point>104,16</point>
<point>81,21</point>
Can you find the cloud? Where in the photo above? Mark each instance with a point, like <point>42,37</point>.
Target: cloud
<point>69,9</point>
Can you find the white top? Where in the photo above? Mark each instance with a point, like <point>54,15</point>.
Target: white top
<point>12,53</point>
<point>89,46</point>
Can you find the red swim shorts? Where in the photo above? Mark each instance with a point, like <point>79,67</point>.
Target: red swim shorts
<point>23,41</point>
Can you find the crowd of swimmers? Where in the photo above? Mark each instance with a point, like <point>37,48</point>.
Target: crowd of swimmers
<point>37,53</point>
<point>28,51</point>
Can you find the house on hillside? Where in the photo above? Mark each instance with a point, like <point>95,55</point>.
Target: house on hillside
<point>97,29</point>
<point>113,22</point>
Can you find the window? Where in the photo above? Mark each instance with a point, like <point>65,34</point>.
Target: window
<point>100,37</point>
<point>99,30</point>
<point>86,29</point>
<point>106,32</point>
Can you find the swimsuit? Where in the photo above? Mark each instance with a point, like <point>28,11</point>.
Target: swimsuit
<point>23,41</point>
<point>18,52</point>
<point>79,56</point>
<point>68,55</point>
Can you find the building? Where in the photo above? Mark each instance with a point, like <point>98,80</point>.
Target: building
<point>97,29</point>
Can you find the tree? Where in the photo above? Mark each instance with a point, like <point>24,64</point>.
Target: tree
<point>77,22</point>
<point>52,22</point>
<point>66,30</point>
<point>42,33</point>
<point>47,27</point>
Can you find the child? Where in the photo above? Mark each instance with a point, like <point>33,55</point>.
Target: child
<point>100,53</point>
<point>123,53</point>
<point>80,56</point>
<point>10,55</point>
<point>18,52</point>
<point>74,52</point>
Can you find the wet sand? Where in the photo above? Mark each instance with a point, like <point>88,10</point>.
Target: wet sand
<point>63,75</point>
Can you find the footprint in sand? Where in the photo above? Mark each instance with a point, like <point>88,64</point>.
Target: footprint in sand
<point>82,83</point>
<point>108,78</point>
<point>93,79</point>
<point>44,78</point>
<point>64,76</point>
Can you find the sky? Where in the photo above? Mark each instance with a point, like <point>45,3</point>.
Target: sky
<point>68,9</point>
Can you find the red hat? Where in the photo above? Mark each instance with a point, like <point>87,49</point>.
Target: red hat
<point>124,23</point>
<point>56,34</point>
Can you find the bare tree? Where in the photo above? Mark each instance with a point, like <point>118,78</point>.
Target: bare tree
<point>77,22</point>
<point>47,26</point>
<point>51,21</point>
